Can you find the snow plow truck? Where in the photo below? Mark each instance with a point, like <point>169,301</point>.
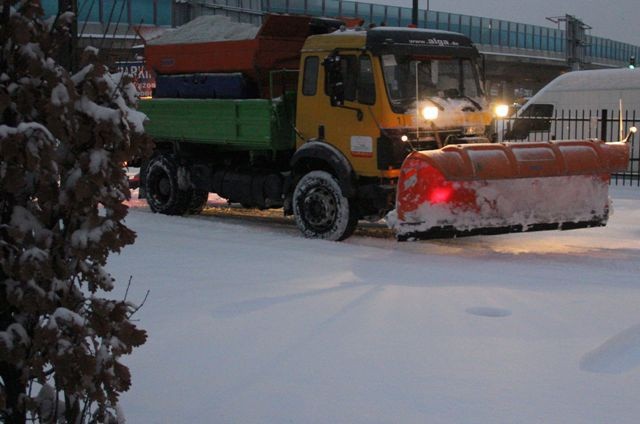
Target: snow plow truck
<point>378,122</point>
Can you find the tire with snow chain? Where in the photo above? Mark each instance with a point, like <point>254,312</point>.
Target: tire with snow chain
<point>321,210</point>
<point>168,188</point>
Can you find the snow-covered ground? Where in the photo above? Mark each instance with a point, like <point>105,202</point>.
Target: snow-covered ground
<point>251,323</point>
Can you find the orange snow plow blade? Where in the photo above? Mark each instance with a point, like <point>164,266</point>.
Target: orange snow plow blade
<point>463,190</point>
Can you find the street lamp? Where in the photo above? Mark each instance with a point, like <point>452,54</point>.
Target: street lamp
<point>414,14</point>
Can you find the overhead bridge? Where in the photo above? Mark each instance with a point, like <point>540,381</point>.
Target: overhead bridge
<point>517,54</point>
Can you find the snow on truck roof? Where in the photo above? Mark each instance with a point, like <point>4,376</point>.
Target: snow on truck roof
<point>600,79</point>
<point>207,28</point>
<point>221,28</point>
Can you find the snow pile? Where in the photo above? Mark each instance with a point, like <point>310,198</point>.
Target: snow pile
<point>207,28</point>
<point>148,33</point>
<point>617,355</point>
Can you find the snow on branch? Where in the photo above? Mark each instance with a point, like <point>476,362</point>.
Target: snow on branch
<point>63,142</point>
<point>65,316</point>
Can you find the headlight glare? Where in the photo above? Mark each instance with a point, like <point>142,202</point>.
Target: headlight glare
<point>430,113</point>
<point>501,111</point>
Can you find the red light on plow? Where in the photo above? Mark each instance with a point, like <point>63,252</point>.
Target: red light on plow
<point>440,194</point>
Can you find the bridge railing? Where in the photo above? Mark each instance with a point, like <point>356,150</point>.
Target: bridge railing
<point>483,31</point>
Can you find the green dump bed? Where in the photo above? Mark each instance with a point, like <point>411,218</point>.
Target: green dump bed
<point>240,125</point>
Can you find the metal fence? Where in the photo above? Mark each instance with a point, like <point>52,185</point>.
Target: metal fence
<point>578,124</point>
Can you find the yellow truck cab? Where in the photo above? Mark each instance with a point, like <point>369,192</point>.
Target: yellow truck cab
<point>377,94</point>
<point>370,97</point>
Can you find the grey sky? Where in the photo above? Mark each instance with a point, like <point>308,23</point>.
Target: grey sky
<point>617,19</point>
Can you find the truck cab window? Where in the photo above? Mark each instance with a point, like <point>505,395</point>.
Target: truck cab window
<point>409,78</point>
<point>366,84</point>
<point>349,76</point>
<point>354,79</point>
<point>310,78</point>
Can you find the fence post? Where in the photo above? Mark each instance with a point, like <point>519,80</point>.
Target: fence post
<point>603,125</point>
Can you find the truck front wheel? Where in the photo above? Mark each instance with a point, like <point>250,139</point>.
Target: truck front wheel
<point>321,210</point>
<point>168,188</point>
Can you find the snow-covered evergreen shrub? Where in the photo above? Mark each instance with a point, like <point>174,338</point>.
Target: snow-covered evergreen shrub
<point>63,142</point>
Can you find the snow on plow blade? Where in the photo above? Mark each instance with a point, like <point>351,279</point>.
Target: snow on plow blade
<point>502,188</point>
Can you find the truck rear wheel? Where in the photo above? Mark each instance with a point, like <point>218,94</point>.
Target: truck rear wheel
<point>320,209</point>
<point>169,190</point>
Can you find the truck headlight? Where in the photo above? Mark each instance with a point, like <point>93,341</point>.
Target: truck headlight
<point>430,113</point>
<point>501,111</point>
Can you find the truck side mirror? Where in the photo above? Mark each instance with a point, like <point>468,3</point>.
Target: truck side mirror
<point>334,84</point>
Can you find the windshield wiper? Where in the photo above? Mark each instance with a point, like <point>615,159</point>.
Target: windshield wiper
<point>438,105</point>
<point>476,104</point>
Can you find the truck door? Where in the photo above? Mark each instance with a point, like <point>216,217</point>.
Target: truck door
<point>341,108</point>
<point>350,92</point>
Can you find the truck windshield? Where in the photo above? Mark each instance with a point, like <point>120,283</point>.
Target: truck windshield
<point>436,78</point>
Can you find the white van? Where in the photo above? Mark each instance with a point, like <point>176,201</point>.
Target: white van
<point>571,107</point>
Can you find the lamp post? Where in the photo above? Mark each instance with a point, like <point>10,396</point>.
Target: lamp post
<point>414,13</point>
